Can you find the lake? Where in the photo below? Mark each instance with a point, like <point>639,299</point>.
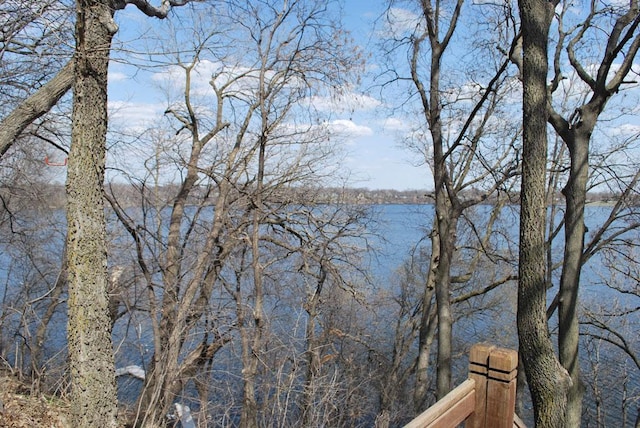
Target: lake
<point>397,232</point>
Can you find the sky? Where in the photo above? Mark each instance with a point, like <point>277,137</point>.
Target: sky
<point>372,133</point>
<point>372,136</point>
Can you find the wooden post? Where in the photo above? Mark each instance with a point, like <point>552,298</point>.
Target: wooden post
<point>479,371</point>
<point>494,371</point>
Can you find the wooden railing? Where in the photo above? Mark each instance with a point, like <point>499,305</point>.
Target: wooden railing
<point>486,400</point>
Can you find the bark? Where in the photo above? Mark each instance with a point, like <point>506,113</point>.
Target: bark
<point>94,401</point>
<point>548,381</point>
<point>252,349</point>
<point>577,137</point>
<point>568,329</point>
<point>443,236</point>
<point>35,106</point>
<point>444,221</point>
<point>425,337</point>
<point>447,227</point>
<point>576,134</point>
<point>251,336</point>
<point>438,283</point>
<point>312,353</point>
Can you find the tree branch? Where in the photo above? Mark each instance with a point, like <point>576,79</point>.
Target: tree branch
<point>35,106</point>
<point>150,10</point>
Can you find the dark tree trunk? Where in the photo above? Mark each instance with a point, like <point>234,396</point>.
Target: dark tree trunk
<point>426,335</point>
<point>548,381</point>
<point>447,225</point>
<point>605,81</point>
<point>568,329</point>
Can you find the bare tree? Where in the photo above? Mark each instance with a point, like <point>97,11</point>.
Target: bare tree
<point>94,401</point>
<point>581,166</point>
<point>548,380</point>
<point>32,244</point>
<point>35,47</point>
<point>243,147</point>
<point>575,127</point>
<point>454,138</point>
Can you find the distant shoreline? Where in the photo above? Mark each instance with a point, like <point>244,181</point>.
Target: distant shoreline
<point>129,195</point>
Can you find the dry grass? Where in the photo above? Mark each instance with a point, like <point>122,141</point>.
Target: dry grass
<point>21,409</point>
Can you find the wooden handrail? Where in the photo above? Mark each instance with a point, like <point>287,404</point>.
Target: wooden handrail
<point>486,400</point>
<point>453,409</point>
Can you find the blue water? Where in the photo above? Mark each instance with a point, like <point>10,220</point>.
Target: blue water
<point>399,232</point>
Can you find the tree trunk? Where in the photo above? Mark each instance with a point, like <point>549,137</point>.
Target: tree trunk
<point>443,235</point>
<point>439,282</point>
<point>178,313</point>
<point>568,329</point>
<point>605,80</point>
<point>252,349</point>
<point>427,331</point>
<point>167,376</point>
<point>94,401</point>
<point>312,353</point>
<point>548,381</point>
<point>447,225</point>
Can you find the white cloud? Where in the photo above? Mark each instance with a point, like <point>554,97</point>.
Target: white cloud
<point>116,76</point>
<point>349,129</point>
<point>491,2</point>
<point>401,21</point>
<point>355,101</point>
<point>393,124</point>
<point>236,79</point>
<point>346,102</point>
<point>625,130</point>
<point>470,91</point>
<point>170,73</point>
<point>134,115</point>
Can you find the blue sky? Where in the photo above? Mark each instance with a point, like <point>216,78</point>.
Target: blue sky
<point>372,136</point>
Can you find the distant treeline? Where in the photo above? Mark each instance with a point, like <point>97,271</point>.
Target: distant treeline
<point>53,195</point>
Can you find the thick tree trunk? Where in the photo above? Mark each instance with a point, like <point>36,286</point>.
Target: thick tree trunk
<point>568,330</point>
<point>548,381</point>
<point>94,401</point>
